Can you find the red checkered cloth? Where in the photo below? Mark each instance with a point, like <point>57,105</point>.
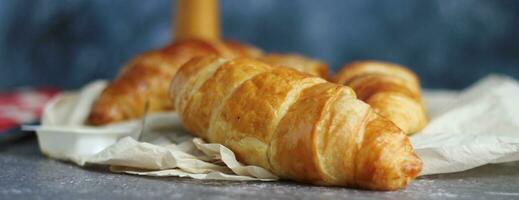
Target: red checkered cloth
<point>22,106</point>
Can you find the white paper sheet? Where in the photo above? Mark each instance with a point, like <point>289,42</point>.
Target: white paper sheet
<point>477,126</point>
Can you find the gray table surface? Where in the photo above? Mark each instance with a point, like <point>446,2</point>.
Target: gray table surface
<point>26,173</point>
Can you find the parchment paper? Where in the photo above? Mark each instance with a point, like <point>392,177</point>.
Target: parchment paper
<point>476,126</point>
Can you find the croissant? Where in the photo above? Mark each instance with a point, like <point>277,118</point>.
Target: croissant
<point>297,62</point>
<point>298,126</point>
<point>146,78</point>
<point>392,90</point>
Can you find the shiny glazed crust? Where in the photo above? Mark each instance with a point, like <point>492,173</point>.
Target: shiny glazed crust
<point>392,90</point>
<point>298,126</point>
<point>147,78</point>
<point>297,62</point>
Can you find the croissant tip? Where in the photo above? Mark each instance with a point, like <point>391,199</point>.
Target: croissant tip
<point>413,168</point>
<point>95,120</point>
<point>99,119</point>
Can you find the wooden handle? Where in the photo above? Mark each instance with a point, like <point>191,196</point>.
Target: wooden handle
<point>197,19</point>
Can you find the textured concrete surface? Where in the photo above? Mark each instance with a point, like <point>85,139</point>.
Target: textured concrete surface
<point>27,174</point>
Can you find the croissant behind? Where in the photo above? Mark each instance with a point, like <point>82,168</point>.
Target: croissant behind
<point>146,78</point>
<point>297,62</point>
<point>392,90</point>
<point>298,126</point>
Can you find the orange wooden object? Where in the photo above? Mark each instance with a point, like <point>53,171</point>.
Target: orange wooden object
<point>197,19</point>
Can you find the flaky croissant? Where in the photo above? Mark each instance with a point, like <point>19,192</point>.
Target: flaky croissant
<point>146,78</point>
<point>298,126</point>
<point>392,90</point>
<point>297,62</point>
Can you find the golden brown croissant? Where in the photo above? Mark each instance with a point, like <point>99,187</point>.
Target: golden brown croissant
<point>297,62</point>
<point>298,126</point>
<point>392,90</point>
<point>243,50</point>
<point>146,78</point>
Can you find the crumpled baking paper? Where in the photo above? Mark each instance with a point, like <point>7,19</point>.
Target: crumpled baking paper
<point>477,126</point>
<point>467,129</point>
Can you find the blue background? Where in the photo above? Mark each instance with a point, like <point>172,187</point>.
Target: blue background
<point>450,44</point>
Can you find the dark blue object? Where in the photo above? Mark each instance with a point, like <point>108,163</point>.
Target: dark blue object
<point>450,44</point>
<point>13,134</point>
